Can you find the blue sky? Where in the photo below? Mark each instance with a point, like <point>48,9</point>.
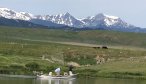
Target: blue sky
<point>132,11</point>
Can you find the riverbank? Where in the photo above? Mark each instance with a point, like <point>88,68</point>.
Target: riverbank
<point>118,63</point>
<point>17,76</point>
<point>124,70</point>
<point>93,53</point>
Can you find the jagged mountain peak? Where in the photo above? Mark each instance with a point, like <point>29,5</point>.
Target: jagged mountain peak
<point>104,21</point>
<point>100,20</point>
<point>99,15</point>
<point>11,14</point>
<point>7,12</point>
<point>67,14</point>
<point>64,15</point>
<point>65,19</point>
<point>103,16</point>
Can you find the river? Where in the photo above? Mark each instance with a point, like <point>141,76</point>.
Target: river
<point>8,80</point>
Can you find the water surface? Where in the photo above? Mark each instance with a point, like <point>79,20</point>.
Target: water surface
<point>9,80</point>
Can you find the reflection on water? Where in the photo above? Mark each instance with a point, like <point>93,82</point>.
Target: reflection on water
<point>9,80</point>
<point>56,81</point>
<point>109,81</point>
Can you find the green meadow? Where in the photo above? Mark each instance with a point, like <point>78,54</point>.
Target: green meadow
<point>24,50</point>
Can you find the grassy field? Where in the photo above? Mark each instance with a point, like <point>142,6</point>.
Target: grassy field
<point>91,36</point>
<point>24,50</point>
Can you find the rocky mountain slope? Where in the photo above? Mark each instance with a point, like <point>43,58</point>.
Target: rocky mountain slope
<point>99,21</point>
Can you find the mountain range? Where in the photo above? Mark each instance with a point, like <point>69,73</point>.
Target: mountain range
<point>100,21</point>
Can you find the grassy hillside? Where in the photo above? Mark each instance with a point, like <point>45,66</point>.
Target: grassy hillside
<point>90,36</point>
<point>23,50</point>
<point>14,58</point>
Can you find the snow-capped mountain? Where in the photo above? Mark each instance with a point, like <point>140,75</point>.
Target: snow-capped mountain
<point>99,21</point>
<point>65,19</point>
<point>105,21</point>
<point>20,19</point>
<point>11,14</point>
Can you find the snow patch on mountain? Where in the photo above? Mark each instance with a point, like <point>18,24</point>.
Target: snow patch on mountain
<point>11,14</point>
<point>65,19</point>
<point>101,18</point>
<point>98,21</point>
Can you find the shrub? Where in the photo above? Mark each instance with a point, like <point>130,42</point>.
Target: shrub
<point>32,66</point>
